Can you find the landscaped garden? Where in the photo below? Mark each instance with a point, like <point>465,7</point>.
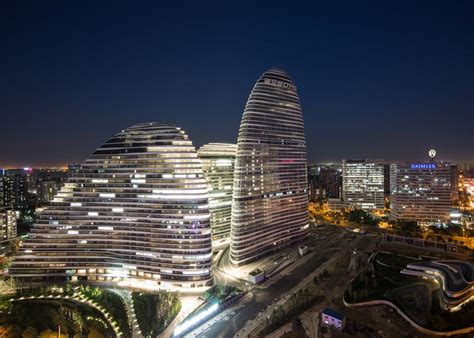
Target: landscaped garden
<point>81,311</point>
<point>31,317</point>
<point>155,311</point>
<point>111,301</point>
<point>416,297</point>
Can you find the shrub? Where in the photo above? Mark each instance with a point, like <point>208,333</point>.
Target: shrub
<point>155,311</point>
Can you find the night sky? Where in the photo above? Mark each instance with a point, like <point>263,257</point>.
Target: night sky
<point>376,79</point>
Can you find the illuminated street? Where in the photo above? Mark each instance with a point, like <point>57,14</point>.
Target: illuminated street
<point>329,242</point>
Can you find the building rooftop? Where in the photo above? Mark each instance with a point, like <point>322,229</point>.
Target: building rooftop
<point>255,272</point>
<point>458,274</point>
<point>333,313</point>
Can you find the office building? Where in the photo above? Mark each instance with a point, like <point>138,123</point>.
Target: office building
<point>47,189</point>
<point>15,188</point>
<point>363,184</point>
<point>392,177</point>
<point>218,167</point>
<point>48,182</point>
<point>270,193</point>
<point>455,184</point>
<point>44,183</point>
<point>423,193</point>
<point>1,188</point>
<point>135,214</point>
<point>325,181</point>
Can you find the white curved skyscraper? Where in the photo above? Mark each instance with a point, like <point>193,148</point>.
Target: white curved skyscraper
<point>270,193</point>
<point>218,167</point>
<point>136,213</point>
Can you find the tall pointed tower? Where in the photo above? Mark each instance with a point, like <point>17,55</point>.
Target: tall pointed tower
<point>270,192</point>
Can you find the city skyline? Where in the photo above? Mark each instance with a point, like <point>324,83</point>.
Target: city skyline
<point>237,169</point>
<point>362,81</point>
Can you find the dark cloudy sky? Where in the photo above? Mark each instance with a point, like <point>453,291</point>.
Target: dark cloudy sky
<point>377,79</point>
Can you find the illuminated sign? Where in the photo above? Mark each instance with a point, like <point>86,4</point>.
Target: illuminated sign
<point>280,84</point>
<point>423,166</point>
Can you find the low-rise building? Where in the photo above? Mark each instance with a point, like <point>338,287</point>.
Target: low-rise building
<point>333,318</point>
<point>302,250</point>
<point>256,276</point>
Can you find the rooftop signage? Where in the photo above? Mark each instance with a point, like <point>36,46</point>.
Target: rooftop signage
<point>423,166</point>
<point>280,84</point>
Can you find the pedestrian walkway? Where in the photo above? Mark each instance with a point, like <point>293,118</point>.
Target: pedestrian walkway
<point>132,318</point>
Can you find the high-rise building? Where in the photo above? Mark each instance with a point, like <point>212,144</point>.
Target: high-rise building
<point>270,193</point>
<point>8,219</point>
<point>44,183</point>
<point>15,188</point>
<point>386,179</point>
<point>325,181</point>
<point>135,213</point>
<point>392,177</point>
<point>363,184</point>
<point>1,188</point>
<point>218,167</point>
<point>47,189</point>
<point>423,192</point>
<point>455,184</point>
<point>331,179</point>
<point>468,187</point>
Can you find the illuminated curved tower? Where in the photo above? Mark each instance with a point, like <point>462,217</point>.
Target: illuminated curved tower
<point>270,193</point>
<point>136,213</point>
<point>218,167</point>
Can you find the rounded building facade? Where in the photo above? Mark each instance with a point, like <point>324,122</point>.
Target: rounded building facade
<point>136,213</point>
<point>270,193</point>
<point>218,167</point>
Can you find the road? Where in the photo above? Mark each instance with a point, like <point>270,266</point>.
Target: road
<point>221,278</point>
<point>263,296</point>
<point>260,320</point>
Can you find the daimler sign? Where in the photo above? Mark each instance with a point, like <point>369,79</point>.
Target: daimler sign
<point>423,166</point>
